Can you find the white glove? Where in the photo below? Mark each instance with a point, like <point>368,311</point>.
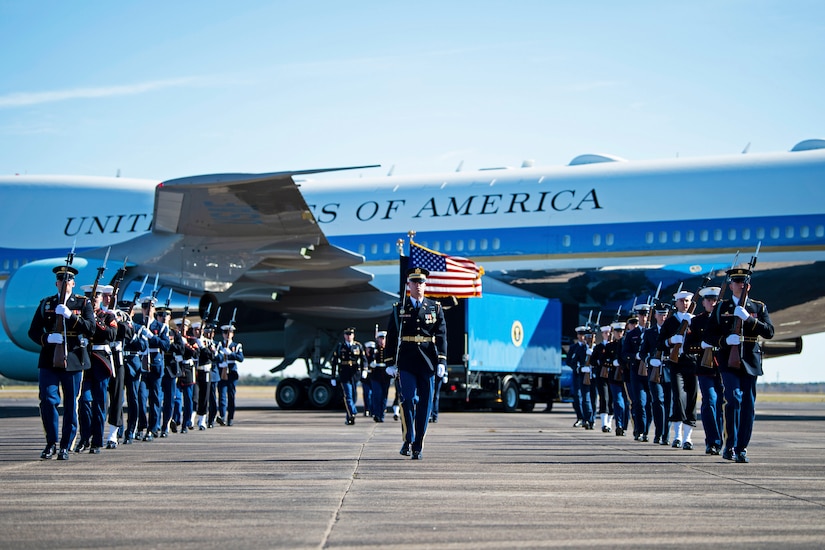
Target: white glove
<point>677,339</point>
<point>637,357</point>
<point>615,362</point>
<point>733,340</point>
<point>392,371</point>
<point>333,382</point>
<point>742,313</point>
<point>589,352</point>
<point>586,369</point>
<point>55,338</point>
<point>655,363</point>
<point>364,374</point>
<point>441,370</point>
<point>61,309</point>
<point>705,345</point>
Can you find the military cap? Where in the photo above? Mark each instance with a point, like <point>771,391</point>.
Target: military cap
<point>417,274</point>
<point>163,311</point>
<point>180,320</point>
<point>618,325</point>
<point>710,292</point>
<point>642,308</point>
<point>149,301</point>
<point>739,274</point>
<point>633,320</point>
<point>228,328</point>
<point>381,334</point>
<point>606,328</point>
<point>682,295</point>
<point>196,324</point>
<point>349,330</point>
<point>125,305</point>
<point>369,344</point>
<point>105,289</point>
<point>87,289</point>
<point>582,330</point>
<point>65,272</point>
<point>661,307</point>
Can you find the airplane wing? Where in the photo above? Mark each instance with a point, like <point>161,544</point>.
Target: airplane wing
<point>250,237</point>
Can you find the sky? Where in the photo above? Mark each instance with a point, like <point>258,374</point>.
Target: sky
<point>161,90</point>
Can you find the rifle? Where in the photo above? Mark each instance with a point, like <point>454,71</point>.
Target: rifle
<point>683,326</point>
<point>224,371</point>
<point>61,352</point>
<point>735,357</point>
<point>644,364</point>
<point>707,355</point>
<point>586,379</point>
<point>100,271</point>
<point>116,281</point>
<point>140,292</point>
<point>605,371</point>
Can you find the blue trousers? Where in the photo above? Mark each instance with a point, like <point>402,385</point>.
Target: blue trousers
<point>640,402</point>
<point>151,397</point>
<point>348,388</point>
<point>226,403</point>
<point>576,394</point>
<point>187,394</point>
<point>380,390</point>
<point>132,408</point>
<point>712,416</point>
<point>620,411</point>
<point>740,403</point>
<point>660,395</point>
<point>51,382</point>
<point>416,405</point>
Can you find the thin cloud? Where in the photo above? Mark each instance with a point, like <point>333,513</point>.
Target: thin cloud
<point>23,99</point>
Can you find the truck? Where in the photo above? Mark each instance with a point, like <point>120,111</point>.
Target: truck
<point>504,352</point>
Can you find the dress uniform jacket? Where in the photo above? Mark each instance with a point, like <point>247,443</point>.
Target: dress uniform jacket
<point>757,325</point>
<point>688,358</point>
<point>79,328</point>
<point>101,346</point>
<point>423,337</point>
<point>348,360</point>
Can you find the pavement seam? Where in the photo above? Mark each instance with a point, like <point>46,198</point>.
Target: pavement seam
<point>337,515</point>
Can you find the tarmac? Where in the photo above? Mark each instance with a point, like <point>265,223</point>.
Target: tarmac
<point>302,479</point>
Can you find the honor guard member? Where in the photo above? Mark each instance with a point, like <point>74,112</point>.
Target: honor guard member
<point>159,343</point>
<point>639,389</point>
<point>597,362</point>
<point>61,325</point>
<point>683,383</point>
<point>117,384</point>
<point>231,353</point>
<point>172,359</point>
<point>134,349</point>
<point>379,378</point>
<point>198,351</point>
<point>366,384</point>
<point>576,355</point>
<point>710,379</point>
<point>739,381</point>
<point>182,416</point>
<point>207,377</point>
<point>613,355</point>
<point>660,392</point>
<point>348,360</point>
<point>417,352</point>
<point>95,386</point>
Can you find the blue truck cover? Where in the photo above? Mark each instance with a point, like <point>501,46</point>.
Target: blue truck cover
<point>518,333</point>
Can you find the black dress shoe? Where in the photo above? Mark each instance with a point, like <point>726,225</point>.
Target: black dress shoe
<point>657,440</point>
<point>676,444</point>
<point>416,455</point>
<point>148,437</point>
<point>164,434</point>
<point>741,457</point>
<point>727,454</point>
<point>127,441</point>
<point>82,446</point>
<point>664,442</point>
<point>688,446</point>
<point>63,454</point>
<point>220,420</point>
<point>49,452</point>
<point>577,423</point>
<point>645,439</point>
<point>619,431</point>
<point>395,417</point>
<point>184,430</point>
<point>94,451</point>
<point>173,426</point>
<point>111,444</point>
<point>405,449</point>
<point>708,449</point>
<point>714,450</point>
<point>230,422</point>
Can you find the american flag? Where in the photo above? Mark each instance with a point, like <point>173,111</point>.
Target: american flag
<point>449,275</point>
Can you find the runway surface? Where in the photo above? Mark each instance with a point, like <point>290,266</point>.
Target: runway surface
<point>302,479</point>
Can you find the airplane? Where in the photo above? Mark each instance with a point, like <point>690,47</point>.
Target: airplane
<point>301,256</point>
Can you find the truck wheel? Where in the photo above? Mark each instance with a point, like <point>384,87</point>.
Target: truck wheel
<point>510,396</point>
<point>289,394</point>
<point>320,394</point>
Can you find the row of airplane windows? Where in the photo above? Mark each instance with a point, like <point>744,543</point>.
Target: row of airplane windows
<point>677,236</point>
<point>608,239</point>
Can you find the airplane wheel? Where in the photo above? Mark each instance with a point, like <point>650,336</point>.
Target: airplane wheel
<point>289,394</point>
<point>321,394</point>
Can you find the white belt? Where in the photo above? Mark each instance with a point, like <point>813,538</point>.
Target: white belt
<point>154,350</point>
<point>101,347</point>
<point>117,345</point>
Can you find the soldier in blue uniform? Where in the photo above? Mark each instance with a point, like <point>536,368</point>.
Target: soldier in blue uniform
<point>231,353</point>
<point>348,360</point>
<point>135,347</point>
<point>710,379</point>
<point>739,382</point>
<point>58,372</point>
<point>576,355</point>
<point>617,375</point>
<point>660,393</point>
<point>640,407</point>
<point>417,353</point>
<point>153,368</point>
<point>601,378</point>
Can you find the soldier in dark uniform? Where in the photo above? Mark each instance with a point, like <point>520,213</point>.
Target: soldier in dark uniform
<point>96,379</point>
<point>159,343</point>
<point>597,362</point>
<point>230,353</point>
<point>660,393</point>
<point>739,382</point>
<point>134,349</point>
<point>61,372</point>
<point>348,359</point>
<point>576,357</point>
<point>379,377</point>
<point>617,376</point>
<point>710,379</point>
<point>172,359</point>
<point>683,383</point>
<point>638,385</point>
<point>417,350</point>
<point>117,385</point>
<point>207,377</point>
